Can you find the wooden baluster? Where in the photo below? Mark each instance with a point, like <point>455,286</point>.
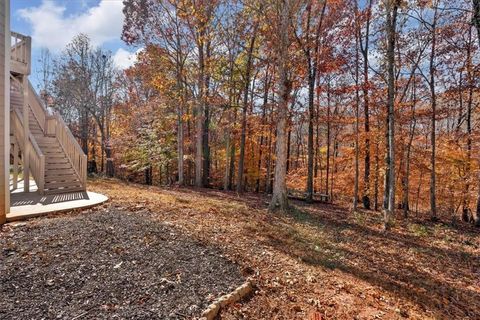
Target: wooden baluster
<point>26,143</point>
<point>15,165</point>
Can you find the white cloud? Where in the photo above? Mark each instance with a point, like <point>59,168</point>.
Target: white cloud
<point>124,59</point>
<point>53,29</point>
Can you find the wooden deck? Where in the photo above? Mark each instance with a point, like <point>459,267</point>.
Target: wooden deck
<point>26,205</point>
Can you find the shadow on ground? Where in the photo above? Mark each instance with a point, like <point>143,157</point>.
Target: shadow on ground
<point>439,279</point>
<point>34,198</point>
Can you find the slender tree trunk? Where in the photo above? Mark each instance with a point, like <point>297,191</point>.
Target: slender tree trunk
<point>406,178</point>
<point>226,177</point>
<point>289,148</point>
<point>199,114</point>
<point>477,217</point>
<point>279,196</point>
<point>392,9</point>
<point>327,173</point>
<point>206,126</point>
<point>246,89</point>
<point>231,175</point>
<point>206,148</point>
<point>466,211</point>
<point>262,136</point>
<point>334,165</point>
<point>84,130</point>
<point>366,102</point>
<point>357,120</point>
<point>377,176</point>
<point>312,63</point>
<point>433,205</point>
<point>180,135</point>
<point>476,21</point>
<point>268,185</point>
<point>476,17</point>
<point>310,153</point>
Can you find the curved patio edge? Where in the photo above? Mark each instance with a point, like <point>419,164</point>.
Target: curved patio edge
<point>34,205</point>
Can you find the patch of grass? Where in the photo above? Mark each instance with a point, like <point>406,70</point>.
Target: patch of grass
<point>300,215</point>
<point>418,230</point>
<point>360,218</point>
<point>182,200</point>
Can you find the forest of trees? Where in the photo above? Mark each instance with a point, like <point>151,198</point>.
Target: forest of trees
<point>375,103</point>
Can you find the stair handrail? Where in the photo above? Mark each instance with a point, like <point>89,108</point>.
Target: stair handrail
<point>36,105</point>
<point>67,141</point>
<point>72,149</point>
<point>36,158</point>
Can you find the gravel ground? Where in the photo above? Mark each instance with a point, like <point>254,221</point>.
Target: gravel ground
<point>109,264</point>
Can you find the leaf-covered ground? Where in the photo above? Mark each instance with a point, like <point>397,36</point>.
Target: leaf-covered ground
<point>320,261</point>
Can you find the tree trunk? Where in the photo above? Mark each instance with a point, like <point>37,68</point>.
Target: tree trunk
<point>206,148</point>
<point>110,167</point>
<point>231,175</point>
<point>279,197</point>
<point>262,136</point>
<point>200,115</point>
<point>268,178</point>
<point>327,174</point>
<point>406,178</point>
<point>366,102</point>
<point>433,205</point>
<point>310,153</point>
<point>289,148</point>
<point>377,177</point>
<point>392,9</point>
<point>357,120</point>
<point>206,126</point>
<point>476,17</point>
<point>240,186</point>
<point>476,21</point>
<point>466,211</point>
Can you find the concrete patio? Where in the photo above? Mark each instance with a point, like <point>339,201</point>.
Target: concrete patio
<point>24,205</point>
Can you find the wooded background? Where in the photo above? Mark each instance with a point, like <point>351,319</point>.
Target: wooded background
<point>370,102</point>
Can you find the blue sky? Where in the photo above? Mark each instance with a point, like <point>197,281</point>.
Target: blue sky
<point>53,23</point>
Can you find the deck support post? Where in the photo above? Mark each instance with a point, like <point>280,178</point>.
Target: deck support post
<point>15,165</point>
<point>4,110</point>
<point>26,132</point>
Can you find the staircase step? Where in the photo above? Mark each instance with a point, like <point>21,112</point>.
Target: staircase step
<point>47,139</point>
<point>54,161</point>
<point>67,178</point>
<point>52,171</point>
<point>58,184</point>
<point>55,155</point>
<point>50,145</point>
<point>46,144</point>
<point>64,190</point>
<point>50,151</point>
<point>58,166</point>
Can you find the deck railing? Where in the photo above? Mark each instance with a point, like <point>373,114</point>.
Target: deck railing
<point>36,157</point>
<point>53,125</point>
<point>21,53</point>
<point>39,111</point>
<point>50,124</point>
<point>72,149</point>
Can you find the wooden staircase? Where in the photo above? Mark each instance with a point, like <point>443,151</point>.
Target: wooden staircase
<point>56,161</point>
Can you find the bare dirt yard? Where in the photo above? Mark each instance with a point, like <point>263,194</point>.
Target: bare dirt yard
<point>108,264</point>
<point>317,262</point>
